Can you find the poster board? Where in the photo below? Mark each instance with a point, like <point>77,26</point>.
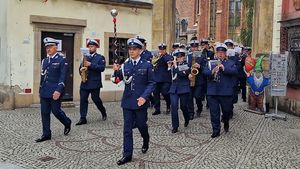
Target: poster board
<point>278,73</point>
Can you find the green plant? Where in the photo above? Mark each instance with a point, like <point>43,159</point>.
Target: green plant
<point>246,31</point>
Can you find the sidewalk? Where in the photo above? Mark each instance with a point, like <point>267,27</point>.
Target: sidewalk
<point>252,142</point>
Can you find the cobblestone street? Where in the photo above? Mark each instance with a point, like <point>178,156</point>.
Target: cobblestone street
<point>253,142</point>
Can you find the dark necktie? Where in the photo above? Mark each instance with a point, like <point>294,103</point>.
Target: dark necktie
<point>134,63</point>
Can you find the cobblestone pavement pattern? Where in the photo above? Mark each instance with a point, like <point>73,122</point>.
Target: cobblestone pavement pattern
<point>253,142</point>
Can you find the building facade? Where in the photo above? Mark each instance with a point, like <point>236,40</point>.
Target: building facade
<point>213,19</point>
<point>24,24</point>
<point>290,41</point>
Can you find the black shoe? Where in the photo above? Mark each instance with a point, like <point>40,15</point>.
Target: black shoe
<point>156,113</point>
<point>124,160</point>
<point>67,128</point>
<point>226,127</point>
<point>81,122</point>
<point>104,115</point>
<point>145,148</point>
<point>168,111</point>
<point>186,123</point>
<point>43,138</point>
<point>174,130</point>
<point>214,135</point>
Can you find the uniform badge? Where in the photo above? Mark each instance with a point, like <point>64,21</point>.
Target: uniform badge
<point>256,93</point>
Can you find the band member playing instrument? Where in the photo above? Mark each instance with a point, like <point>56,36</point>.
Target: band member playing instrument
<point>137,74</point>
<point>95,64</point>
<point>174,47</point>
<point>180,88</point>
<point>209,55</point>
<point>198,80</point>
<point>162,78</point>
<point>220,89</point>
<point>232,55</point>
<point>146,55</point>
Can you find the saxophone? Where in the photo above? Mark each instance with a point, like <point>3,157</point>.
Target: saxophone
<point>194,70</point>
<point>83,70</point>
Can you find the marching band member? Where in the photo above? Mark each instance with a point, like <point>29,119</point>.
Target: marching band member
<point>146,55</point>
<point>174,47</point>
<point>205,50</point>
<point>235,58</point>
<point>209,55</point>
<point>220,88</point>
<point>137,74</point>
<point>196,61</point>
<point>95,64</point>
<point>180,88</point>
<point>162,78</point>
<point>52,86</point>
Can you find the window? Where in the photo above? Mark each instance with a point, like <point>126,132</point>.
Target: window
<point>122,52</point>
<point>197,6</point>
<point>234,19</point>
<point>212,23</point>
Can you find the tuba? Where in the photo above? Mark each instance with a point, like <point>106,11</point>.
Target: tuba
<point>194,70</point>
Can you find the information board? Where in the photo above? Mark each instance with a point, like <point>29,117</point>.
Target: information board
<point>278,73</point>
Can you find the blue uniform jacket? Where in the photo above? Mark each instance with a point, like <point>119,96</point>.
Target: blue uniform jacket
<point>53,76</point>
<point>146,55</point>
<point>242,60</point>
<point>200,78</point>
<point>161,72</point>
<point>208,54</point>
<point>236,60</point>
<point>227,79</point>
<point>94,72</point>
<point>142,84</point>
<point>181,84</point>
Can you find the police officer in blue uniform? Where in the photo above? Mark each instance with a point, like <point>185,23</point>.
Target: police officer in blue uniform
<point>95,64</point>
<point>180,88</point>
<point>162,78</point>
<point>205,50</point>
<point>174,47</point>
<point>209,55</point>
<point>242,74</point>
<point>137,74</point>
<point>232,55</point>
<point>182,46</point>
<point>52,84</point>
<point>197,89</point>
<point>220,89</point>
<point>146,55</point>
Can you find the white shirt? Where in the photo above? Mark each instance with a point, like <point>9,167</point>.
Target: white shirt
<point>52,56</point>
<point>136,60</point>
<point>92,55</point>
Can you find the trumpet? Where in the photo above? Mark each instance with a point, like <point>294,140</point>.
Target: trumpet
<point>171,62</point>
